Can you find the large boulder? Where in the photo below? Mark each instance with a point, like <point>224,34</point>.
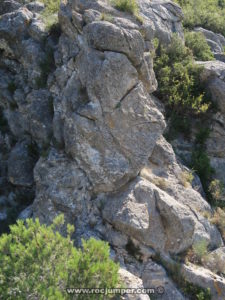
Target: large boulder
<point>205,279</point>
<point>109,123</point>
<point>131,281</point>
<point>155,219</point>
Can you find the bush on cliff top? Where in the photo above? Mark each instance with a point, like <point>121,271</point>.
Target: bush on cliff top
<point>38,263</point>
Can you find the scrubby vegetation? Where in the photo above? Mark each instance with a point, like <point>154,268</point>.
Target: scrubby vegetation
<point>190,290</point>
<point>200,255</point>
<point>50,12</point>
<point>129,6</point>
<point>219,220</point>
<point>197,43</point>
<point>216,190</point>
<point>38,263</point>
<point>186,178</point>
<point>186,100</point>
<point>209,14</point>
<point>197,253</point>
<point>179,79</point>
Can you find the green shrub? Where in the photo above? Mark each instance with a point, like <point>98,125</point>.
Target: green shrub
<point>50,13</point>
<point>38,263</point>
<point>51,6</point>
<point>200,249</point>
<point>130,6</point>
<point>202,136</point>
<point>195,292</point>
<point>179,79</point>
<point>197,43</point>
<point>209,14</point>
<point>178,124</point>
<point>107,17</point>
<point>201,164</point>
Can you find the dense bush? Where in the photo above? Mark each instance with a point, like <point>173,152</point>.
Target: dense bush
<point>179,79</point>
<point>209,14</point>
<point>38,263</point>
<point>197,43</point>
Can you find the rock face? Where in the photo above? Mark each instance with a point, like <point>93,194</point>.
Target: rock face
<point>214,77</point>
<point>79,124</point>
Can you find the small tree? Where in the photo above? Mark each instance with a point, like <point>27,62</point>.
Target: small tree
<point>38,263</point>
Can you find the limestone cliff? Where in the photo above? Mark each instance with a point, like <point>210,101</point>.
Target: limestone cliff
<point>83,131</point>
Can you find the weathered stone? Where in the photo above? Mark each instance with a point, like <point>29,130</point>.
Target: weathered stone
<point>8,6</point>
<point>20,165</point>
<point>206,279</point>
<point>37,30</point>
<point>216,41</point>
<point>214,77</point>
<point>131,281</point>
<point>26,213</point>
<point>60,187</point>
<point>166,16</point>
<point>215,261</point>
<point>155,277</point>
<point>35,6</point>
<point>107,36</point>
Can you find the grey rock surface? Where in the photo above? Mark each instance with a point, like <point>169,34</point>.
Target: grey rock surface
<point>81,97</point>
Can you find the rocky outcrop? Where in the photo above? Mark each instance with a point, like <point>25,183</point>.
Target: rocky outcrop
<point>85,131</point>
<point>213,77</point>
<point>205,279</point>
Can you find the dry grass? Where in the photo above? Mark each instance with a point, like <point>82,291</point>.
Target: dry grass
<point>186,178</point>
<point>160,182</point>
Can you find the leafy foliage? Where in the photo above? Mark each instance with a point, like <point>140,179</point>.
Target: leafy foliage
<point>38,263</point>
<point>209,14</point>
<point>179,79</point>
<point>196,293</point>
<point>197,43</point>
